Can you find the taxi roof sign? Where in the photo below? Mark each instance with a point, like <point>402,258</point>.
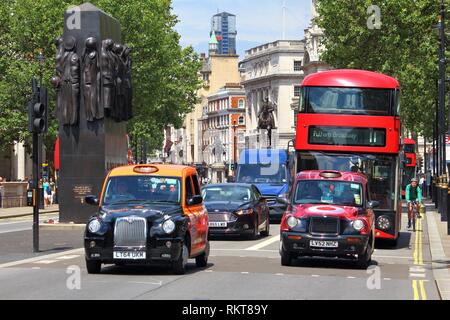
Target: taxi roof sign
<point>145,169</point>
<point>330,174</point>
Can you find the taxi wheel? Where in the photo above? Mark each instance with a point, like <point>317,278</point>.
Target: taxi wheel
<point>93,266</point>
<point>286,258</point>
<point>365,259</point>
<point>179,265</point>
<point>202,260</point>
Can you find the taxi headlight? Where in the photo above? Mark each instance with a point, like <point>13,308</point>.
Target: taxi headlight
<point>358,225</point>
<point>168,226</point>
<point>94,226</point>
<point>292,222</point>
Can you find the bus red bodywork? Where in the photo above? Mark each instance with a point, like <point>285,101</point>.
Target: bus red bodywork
<point>379,160</point>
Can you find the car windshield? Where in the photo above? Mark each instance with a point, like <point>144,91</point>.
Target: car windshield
<point>380,171</point>
<point>145,189</point>
<point>262,173</point>
<point>226,193</point>
<point>329,192</point>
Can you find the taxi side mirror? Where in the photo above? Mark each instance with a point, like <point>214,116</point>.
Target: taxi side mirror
<point>92,200</point>
<point>195,200</point>
<point>373,204</point>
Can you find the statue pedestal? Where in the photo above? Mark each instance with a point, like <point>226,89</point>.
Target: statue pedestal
<point>88,150</point>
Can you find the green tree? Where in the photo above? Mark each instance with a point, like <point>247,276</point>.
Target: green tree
<point>165,76</point>
<point>404,47</point>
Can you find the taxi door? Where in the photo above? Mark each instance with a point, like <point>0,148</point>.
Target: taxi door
<point>197,215</point>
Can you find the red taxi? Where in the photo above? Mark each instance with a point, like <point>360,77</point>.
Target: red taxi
<point>329,214</point>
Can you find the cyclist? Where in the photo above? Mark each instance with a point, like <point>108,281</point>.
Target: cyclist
<point>413,197</point>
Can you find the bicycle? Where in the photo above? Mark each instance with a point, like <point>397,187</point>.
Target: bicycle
<point>416,213</point>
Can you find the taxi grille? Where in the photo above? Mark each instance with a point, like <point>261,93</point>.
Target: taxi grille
<point>324,225</point>
<point>130,232</point>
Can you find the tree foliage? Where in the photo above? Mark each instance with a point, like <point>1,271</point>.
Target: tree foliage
<point>165,75</point>
<point>405,47</point>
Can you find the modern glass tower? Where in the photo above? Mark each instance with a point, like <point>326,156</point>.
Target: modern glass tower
<point>224,26</point>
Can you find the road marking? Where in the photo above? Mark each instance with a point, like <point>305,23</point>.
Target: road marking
<point>315,276</point>
<point>36,268</point>
<point>261,250</point>
<point>387,279</point>
<point>422,290</point>
<point>415,291</point>
<point>351,278</point>
<point>244,272</point>
<point>49,256</point>
<point>209,271</point>
<point>417,275</point>
<point>279,274</point>
<point>68,257</point>
<point>264,243</point>
<point>46,261</point>
<point>417,269</point>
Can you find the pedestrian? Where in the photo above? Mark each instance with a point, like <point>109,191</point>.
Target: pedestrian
<point>47,191</point>
<point>52,189</point>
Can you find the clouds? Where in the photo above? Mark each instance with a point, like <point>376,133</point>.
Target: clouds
<point>258,21</point>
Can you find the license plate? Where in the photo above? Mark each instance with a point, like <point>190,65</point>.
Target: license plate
<point>130,255</point>
<point>323,244</point>
<point>218,224</point>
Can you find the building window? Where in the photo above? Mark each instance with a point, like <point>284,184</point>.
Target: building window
<point>298,65</point>
<point>206,77</point>
<point>297,91</point>
<point>241,104</point>
<point>241,120</point>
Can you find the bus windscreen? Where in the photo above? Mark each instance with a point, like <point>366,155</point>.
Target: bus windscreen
<point>361,101</point>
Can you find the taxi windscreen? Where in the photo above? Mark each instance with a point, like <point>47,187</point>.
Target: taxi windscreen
<point>151,189</point>
<point>329,192</point>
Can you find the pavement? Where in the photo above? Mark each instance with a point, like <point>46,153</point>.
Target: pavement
<point>440,251</point>
<point>8,213</point>
<point>237,269</point>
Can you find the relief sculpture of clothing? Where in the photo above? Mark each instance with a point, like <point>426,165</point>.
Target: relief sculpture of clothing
<point>91,73</point>
<point>107,77</point>
<point>69,92</point>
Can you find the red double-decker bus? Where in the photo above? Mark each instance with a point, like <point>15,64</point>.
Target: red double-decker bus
<point>349,120</point>
<point>409,168</point>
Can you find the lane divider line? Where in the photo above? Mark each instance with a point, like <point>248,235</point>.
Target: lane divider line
<point>264,243</point>
<point>46,257</point>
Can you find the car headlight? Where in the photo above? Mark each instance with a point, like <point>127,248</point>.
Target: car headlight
<point>168,226</point>
<point>292,222</point>
<point>383,223</point>
<point>242,212</point>
<point>94,226</point>
<point>358,225</point>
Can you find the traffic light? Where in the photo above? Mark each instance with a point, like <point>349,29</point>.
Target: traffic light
<point>37,110</point>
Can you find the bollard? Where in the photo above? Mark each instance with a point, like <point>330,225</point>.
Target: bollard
<point>444,188</point>
<point>433,192</point>
<point>438,194</point>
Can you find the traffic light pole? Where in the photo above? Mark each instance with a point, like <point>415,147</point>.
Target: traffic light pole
<point>36,192</point>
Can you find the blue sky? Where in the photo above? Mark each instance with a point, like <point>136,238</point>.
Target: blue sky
<point>258,21</point>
